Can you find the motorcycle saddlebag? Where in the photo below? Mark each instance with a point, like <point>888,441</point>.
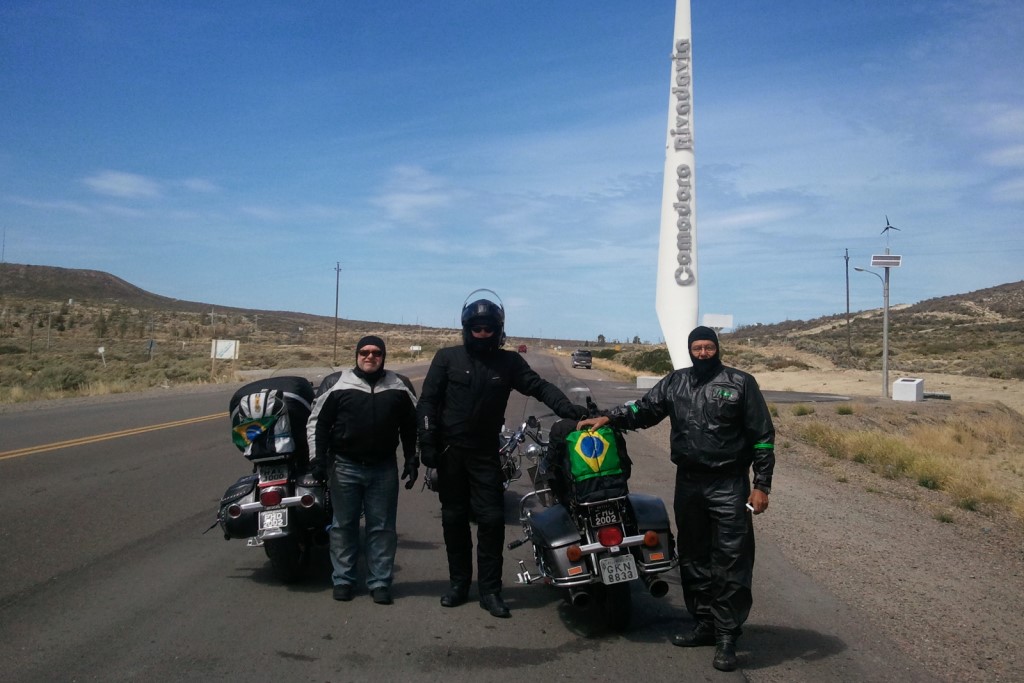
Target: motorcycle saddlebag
<point>651,515</point>
<point>242,491</point>
<point>268,418</point>
<point>553,527</point>
<point>319,515</point>
<point>553,533</point>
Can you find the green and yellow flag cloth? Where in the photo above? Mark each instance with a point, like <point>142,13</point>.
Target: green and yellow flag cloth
<point>593,453</point>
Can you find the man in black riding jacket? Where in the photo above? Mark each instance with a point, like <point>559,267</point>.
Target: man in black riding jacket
<point>721,428</point>
<point>459,418</point>
<point>353,432</point>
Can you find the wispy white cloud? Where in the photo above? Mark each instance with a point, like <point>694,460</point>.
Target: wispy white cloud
<point>413,194</point>
<point>57,205</point>
<point>124,185</point>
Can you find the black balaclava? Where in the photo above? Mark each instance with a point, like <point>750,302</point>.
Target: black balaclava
<point>704,368</point>
<point>486,344</point>
<point>371,340</point>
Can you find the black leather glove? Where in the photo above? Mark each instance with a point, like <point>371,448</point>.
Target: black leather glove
<point>428,455</point>
<point>411,472</point>
<point>318,469</point>
<point>578,413</point>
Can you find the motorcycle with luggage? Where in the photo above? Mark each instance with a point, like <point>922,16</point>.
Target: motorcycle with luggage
<point>590,535</point>
<point>279,506</point>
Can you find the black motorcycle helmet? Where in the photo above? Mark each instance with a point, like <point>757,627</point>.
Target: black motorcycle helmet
<point>483,312</point>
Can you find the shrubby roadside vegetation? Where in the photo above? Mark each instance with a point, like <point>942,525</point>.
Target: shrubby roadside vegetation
<point>52,325</point>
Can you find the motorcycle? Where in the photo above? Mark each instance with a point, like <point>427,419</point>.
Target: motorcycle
<point>593,545</point>
<point>278,507</point>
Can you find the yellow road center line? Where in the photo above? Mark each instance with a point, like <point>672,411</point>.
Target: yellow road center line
<point>43,448</point>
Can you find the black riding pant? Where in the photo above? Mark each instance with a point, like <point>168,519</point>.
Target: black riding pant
<point>716,547</point>
<point>470,487</point>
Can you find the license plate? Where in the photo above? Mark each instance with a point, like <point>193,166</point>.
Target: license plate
<point>275,472</point>
<point>603,516</point>
<point>273,519</point>
<point>618,569</point>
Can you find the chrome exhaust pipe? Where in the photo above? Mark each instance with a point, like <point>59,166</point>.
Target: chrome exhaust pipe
<point>579,598</point>
<point>655,586</point>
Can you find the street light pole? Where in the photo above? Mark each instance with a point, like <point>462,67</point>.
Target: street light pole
<point>849,341</point>
<point>337,281</point>
<point>885,327</point>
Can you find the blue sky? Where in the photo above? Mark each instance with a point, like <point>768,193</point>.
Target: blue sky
<point>234,152</point>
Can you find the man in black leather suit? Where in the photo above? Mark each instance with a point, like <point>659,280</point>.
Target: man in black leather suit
<point>459,418</point>
<point>721,428</point>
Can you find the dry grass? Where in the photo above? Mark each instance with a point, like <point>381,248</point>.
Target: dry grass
<point>973,457</point>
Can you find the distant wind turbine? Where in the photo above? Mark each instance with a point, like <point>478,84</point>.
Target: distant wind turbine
<point>885,231</point>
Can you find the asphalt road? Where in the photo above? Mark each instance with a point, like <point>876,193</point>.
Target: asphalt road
<point>107,573</point>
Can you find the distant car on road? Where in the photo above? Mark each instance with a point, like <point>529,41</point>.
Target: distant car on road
<point>522,348</point>
<point>582,358</point>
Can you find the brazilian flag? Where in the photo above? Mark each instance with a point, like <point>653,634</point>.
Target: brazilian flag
<point>593,453</point>
<point>249,431</point>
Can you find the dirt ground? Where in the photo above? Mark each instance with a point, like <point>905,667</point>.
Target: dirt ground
<point>860,383</point>
<point>950,594</point>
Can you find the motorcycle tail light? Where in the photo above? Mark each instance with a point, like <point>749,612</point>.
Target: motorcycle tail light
<point>234,511</point>
<point>609,536</point>
<point>270,497</point>
<point>307,500</point>
<point>651,538</point>
<point>573,553</point>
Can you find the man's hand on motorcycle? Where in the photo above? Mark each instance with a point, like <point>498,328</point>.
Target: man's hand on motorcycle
<point>592,423</point>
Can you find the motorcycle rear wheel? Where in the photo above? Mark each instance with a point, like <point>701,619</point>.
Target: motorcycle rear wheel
<point>287,557</point>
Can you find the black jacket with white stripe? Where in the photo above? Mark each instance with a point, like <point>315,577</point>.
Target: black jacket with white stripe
<point>362,422</point>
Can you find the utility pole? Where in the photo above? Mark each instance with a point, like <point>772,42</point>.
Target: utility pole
<point>337,284</point>
<point>849,344</point>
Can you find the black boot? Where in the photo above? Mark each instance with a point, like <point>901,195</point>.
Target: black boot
<point>702,634</point>
<point>493,603</point>
<point>725,653</point>
<point>456,595</point>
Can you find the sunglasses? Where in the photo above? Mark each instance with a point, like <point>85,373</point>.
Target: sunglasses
<point>371,354</point>
<point>482,329</point>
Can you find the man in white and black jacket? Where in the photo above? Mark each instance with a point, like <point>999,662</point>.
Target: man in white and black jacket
<point>353,432</point>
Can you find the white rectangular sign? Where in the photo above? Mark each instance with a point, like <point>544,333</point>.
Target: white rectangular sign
<point>224,349</point>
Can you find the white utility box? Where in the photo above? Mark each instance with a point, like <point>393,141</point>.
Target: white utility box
<point>646,382</point>
<point>908,389</point>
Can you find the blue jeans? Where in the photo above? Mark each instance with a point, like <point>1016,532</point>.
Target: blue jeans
<point>370,491</point>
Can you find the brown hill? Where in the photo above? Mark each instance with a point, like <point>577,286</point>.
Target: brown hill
<point>979,333</point>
